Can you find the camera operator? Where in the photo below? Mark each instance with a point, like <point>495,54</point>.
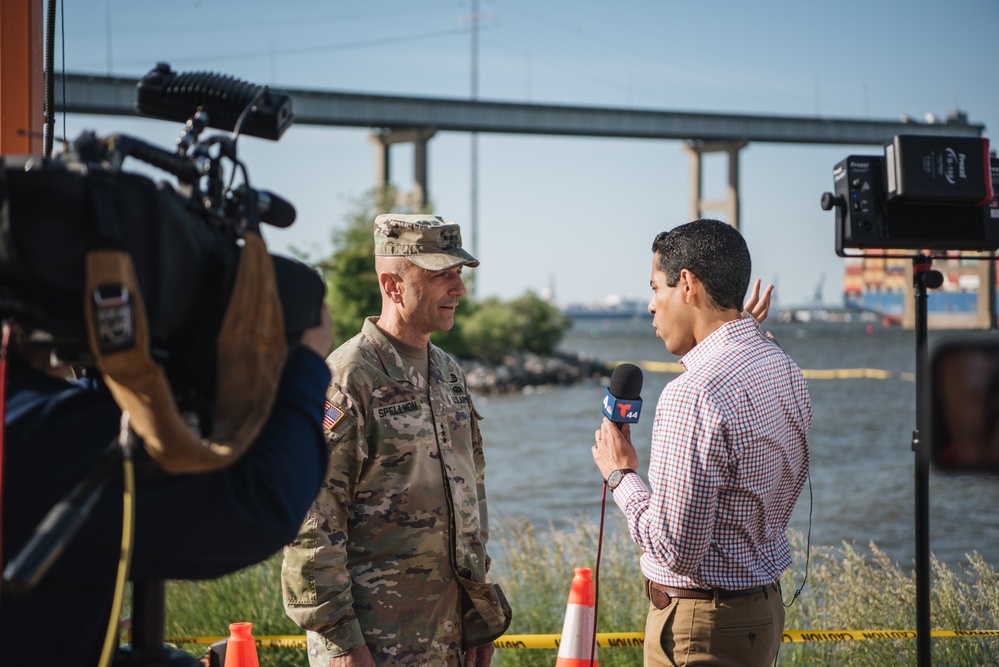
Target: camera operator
<point>188,526</point>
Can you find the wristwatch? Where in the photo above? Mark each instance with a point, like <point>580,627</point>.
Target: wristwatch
<point>614,479</point>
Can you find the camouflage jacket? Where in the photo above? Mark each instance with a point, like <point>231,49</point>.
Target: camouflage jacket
<point>375,559</point>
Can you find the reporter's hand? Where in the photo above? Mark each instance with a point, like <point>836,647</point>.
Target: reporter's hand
<point>359,657</point>
<point>612,448</point>
<point>320,338</point>
<point>759,306</point>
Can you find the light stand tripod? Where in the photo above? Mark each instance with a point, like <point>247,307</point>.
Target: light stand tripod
<point>895,202</point>
<point>923,279</point>
<point>148,617</point>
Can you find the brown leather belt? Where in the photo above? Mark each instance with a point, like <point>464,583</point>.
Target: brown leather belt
<point>661,595</point>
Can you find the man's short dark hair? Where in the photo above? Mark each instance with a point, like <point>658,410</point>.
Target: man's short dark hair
<point>713,251</point>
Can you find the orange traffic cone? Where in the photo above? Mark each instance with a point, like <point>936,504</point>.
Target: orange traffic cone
<point>578,643</point>
<point>240,648</point>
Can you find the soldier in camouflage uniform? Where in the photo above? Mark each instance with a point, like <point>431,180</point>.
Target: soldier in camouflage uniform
<point>373,574</point>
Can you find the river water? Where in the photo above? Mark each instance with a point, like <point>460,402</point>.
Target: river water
<point>863,490</point>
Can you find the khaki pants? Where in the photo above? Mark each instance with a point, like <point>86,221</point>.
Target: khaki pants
<point>744,630</point>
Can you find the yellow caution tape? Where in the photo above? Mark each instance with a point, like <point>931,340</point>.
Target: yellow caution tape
<point>822,374</point>
<point>604,640</point>
<point>660,366</point>
<point>629,639</point>
<point>854,635</point>
<point>272,641</point>
<point>847,374</point>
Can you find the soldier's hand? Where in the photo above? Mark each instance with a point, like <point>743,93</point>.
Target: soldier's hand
<point>359,657</point>
<point>479,656</point>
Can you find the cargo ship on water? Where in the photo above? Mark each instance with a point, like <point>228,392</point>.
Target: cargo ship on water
<point>875,288</point>
<point>883,286</point>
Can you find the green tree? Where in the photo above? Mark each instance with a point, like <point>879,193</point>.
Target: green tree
<point>494,328</point>
<point>545,324</point>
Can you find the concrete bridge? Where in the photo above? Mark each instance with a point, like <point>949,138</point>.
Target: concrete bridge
<point>396,119</point>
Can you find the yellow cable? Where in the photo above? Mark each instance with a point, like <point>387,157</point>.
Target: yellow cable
<point>125,557</point>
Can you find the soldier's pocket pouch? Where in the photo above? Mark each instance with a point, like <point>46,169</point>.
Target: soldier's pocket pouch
<point>486,614</point>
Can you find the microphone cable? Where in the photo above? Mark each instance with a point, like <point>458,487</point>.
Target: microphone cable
<point>808,534</point>
<point>596,572</point>
<point>626,384</point>
<point>808,553</point>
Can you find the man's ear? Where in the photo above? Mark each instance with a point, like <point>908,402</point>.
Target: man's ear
<point>391,285</point>
<point>690,284</point>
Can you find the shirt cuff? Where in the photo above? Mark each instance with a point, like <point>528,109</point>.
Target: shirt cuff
<point>631,484</point>
<point>343,638</point>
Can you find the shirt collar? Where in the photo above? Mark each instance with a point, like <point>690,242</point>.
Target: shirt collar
<point>733,331</point>
<point>396,366</point>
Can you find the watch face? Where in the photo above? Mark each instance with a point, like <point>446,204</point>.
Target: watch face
<point>614,479</point>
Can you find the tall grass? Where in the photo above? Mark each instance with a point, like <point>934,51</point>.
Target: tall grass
<point>206,608</point>
<point>535,568</point>
<point>851,590</point>
<point>847,589</point>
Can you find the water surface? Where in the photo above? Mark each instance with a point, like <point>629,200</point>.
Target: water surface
<point>539,463</point>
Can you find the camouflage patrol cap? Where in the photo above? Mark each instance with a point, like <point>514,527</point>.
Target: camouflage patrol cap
<point>429,241</point>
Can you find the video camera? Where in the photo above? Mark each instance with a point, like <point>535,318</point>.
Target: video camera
<point>924,193</point>
<point>185,239</point>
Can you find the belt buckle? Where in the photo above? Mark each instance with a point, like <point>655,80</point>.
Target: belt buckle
<point>660,599</point>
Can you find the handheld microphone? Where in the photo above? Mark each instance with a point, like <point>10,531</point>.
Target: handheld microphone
<point>622,403</point>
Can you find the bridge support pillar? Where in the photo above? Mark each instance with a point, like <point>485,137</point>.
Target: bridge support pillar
<point>383,139</point>
<point>695,149</point>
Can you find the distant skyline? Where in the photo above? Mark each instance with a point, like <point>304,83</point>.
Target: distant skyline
<point>578,215</point>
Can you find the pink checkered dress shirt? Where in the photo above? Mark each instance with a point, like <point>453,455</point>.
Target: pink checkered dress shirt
<point>729,458</point>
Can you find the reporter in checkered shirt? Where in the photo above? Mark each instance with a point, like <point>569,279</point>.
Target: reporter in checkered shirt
<point>729,458</point>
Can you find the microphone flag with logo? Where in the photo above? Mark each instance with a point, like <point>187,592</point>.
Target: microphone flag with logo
<point>622,403</point>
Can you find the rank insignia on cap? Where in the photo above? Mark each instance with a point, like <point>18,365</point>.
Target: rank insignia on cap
<point>332,416</point>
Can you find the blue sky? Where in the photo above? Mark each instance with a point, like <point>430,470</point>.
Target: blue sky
<point>578,214</point>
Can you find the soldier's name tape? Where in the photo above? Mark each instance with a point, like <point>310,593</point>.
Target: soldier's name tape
<point>623,639</point>
<point>821,374</point>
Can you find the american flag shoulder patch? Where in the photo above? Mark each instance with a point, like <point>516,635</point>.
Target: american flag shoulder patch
<point>332,416</point>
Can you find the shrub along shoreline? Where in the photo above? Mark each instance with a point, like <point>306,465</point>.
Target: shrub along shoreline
<point>519,371</point>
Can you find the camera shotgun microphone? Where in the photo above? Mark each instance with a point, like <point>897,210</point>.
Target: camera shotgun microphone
<point>622,403</point>
<point>257,110</point>
<point>274,209</point>
<point>271,208</point>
